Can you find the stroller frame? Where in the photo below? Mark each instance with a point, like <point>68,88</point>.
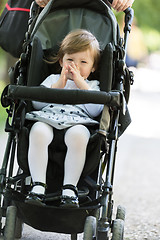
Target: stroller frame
<point>98,220</point>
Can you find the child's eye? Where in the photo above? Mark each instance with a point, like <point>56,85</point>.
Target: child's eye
<point>84,62</point>
<point>70,59</point>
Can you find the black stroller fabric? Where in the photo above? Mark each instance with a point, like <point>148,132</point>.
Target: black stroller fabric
<point>93,15</point>
<point>51,218</point>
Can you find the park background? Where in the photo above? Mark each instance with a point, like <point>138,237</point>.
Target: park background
<point>137,175</point>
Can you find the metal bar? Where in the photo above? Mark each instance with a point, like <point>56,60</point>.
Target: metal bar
<point>5,161</point>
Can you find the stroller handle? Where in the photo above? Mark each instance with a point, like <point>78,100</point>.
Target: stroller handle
<point>63,96</point>
<point>129,15</point>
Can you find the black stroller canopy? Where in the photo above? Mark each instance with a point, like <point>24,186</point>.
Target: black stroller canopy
<point>60,17</point>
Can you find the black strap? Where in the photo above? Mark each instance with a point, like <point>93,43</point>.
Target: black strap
<point>71,187</point>
<point>39,184</point>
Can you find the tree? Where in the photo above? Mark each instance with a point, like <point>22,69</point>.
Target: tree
<point>2,5</point>
<point>147,13</point>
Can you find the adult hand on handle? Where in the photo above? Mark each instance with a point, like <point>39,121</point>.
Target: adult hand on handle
<point>118,5</point>
<point>121,5</point>
<point>42,3</point>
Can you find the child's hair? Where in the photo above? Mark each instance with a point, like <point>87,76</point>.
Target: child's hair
<point>78,40</point>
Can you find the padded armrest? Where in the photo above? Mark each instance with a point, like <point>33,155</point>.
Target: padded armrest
<point>63,96</point>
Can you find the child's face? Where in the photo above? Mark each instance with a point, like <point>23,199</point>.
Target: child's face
<point>84,62</point>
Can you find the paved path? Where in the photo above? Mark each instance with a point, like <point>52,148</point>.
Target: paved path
<point>137,176</point>
<point>137,181</point>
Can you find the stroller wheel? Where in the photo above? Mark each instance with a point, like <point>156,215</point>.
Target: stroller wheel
<point>118,229</point>
<point>18,228</point>
<point>74,236</point>
<point>90,228</point>
<point>0,219</point>
<point>0,213</point>
<point>121,213</point>
<point>9,231</point>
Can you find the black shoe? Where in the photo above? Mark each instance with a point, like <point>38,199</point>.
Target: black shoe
<point>35,199</point>
<point>67,201</point>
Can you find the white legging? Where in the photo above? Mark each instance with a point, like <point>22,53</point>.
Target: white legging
<point>76,139</point>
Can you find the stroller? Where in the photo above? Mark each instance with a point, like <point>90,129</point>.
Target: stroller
<point>47,28</point>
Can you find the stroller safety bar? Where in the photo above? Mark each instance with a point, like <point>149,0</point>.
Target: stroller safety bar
<point>64,96</point>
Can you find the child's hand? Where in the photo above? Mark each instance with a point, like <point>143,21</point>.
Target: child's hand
<point>61,83</point>
<point>63,77</point>
<point>74,74</point>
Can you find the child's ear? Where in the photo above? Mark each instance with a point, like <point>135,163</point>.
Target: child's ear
<point>93,69</point>
<point>61,62</point>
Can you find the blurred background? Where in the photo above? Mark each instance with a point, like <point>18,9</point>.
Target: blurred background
<point>137,176</point>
